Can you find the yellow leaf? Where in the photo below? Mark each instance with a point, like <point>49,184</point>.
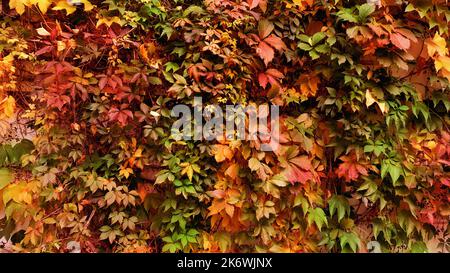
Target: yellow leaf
<point>18,5</point>
<point>190,172</point>
<point>108,21</point>
<point>369,99</point>
<point>43,5</point>
<point>71,7</point>
<point>254,164</point>
<point>437,44</point>
<point>10,104</point>
<point>60,45</point>
<point>125,172</point>
<point>445,73</point>
<point>138,153</point>
<point>64,5</point>
<point>87,5</point>
<point>442,62</point>
<point>222,152</point>
<point>383,107</point>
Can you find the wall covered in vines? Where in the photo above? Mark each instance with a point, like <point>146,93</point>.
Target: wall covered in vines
<point>88,161</point>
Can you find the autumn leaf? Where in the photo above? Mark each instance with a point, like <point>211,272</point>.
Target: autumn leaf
<point>442,62</point>
<point>302,4</point>
<point>121,115</point>
<point>271,76</point>
<point>8,105</point>
<point>125,172</point>
<point>265,27</point>
<point>308,84</point>
<point>42,31</point>
<point>436,45</point>
<point>261,3</point>
<point>371,100</point>
<point>108,21</point>
<point>275,42</point>
<point>144,189</point>
<point>351,169</point>
<point>268,43</point>
<point>265,52</point>
<point>232,171</point>
<point>44,5</point>
<point>18,5</point>
<point>222,152</point>
<point>298,168</point>
<point>400,41</point>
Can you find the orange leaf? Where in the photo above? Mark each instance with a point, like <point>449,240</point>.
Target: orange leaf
<point>400,41</point>
<point>265,52</point>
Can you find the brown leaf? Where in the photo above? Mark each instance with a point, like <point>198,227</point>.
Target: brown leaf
<point>265,27</point>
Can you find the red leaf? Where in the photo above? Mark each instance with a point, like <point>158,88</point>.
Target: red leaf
<point>275,42</point>
<point>265,52</point>
<point>445,181</point>
<point>261,3</point>
<point>275,73</point>
<point>253,3</point>
<point>350,169</point>
<point>263,80</point>
<point>295,174</point>
<point>120,115</point>
<point>299,169</point>
<point>58,101</point>
<point>400,41</point>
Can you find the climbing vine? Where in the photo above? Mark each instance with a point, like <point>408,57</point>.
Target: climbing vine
<point>364,94</point>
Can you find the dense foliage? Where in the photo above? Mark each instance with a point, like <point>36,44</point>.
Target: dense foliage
<point>364,95</point>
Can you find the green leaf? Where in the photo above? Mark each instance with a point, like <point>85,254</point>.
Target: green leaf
<point>317,37</point>
<point>304,46</point>
<point>301,200</point>
<point>5,177</point>
<point>370,187</point>
<point>347,15</point>
<point>195,10</point>
<point>171,66</point>
<point>318,217</point>
<point>324,48</point>
<point>349,239</point>
<point>154,80</point>
<point>391,167</point>
<point>419,247</point>
<point>340,204</point>
<point>364,11</point>
<point>420,107</point>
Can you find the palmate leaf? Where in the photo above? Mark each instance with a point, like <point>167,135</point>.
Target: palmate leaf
<point>340,204</point>
<point>318,217</point>
<point>349,239</point>
<point>364,11</point>
<point>364,138</point>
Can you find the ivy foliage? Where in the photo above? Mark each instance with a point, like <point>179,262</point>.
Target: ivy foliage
<point>364,154</point>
